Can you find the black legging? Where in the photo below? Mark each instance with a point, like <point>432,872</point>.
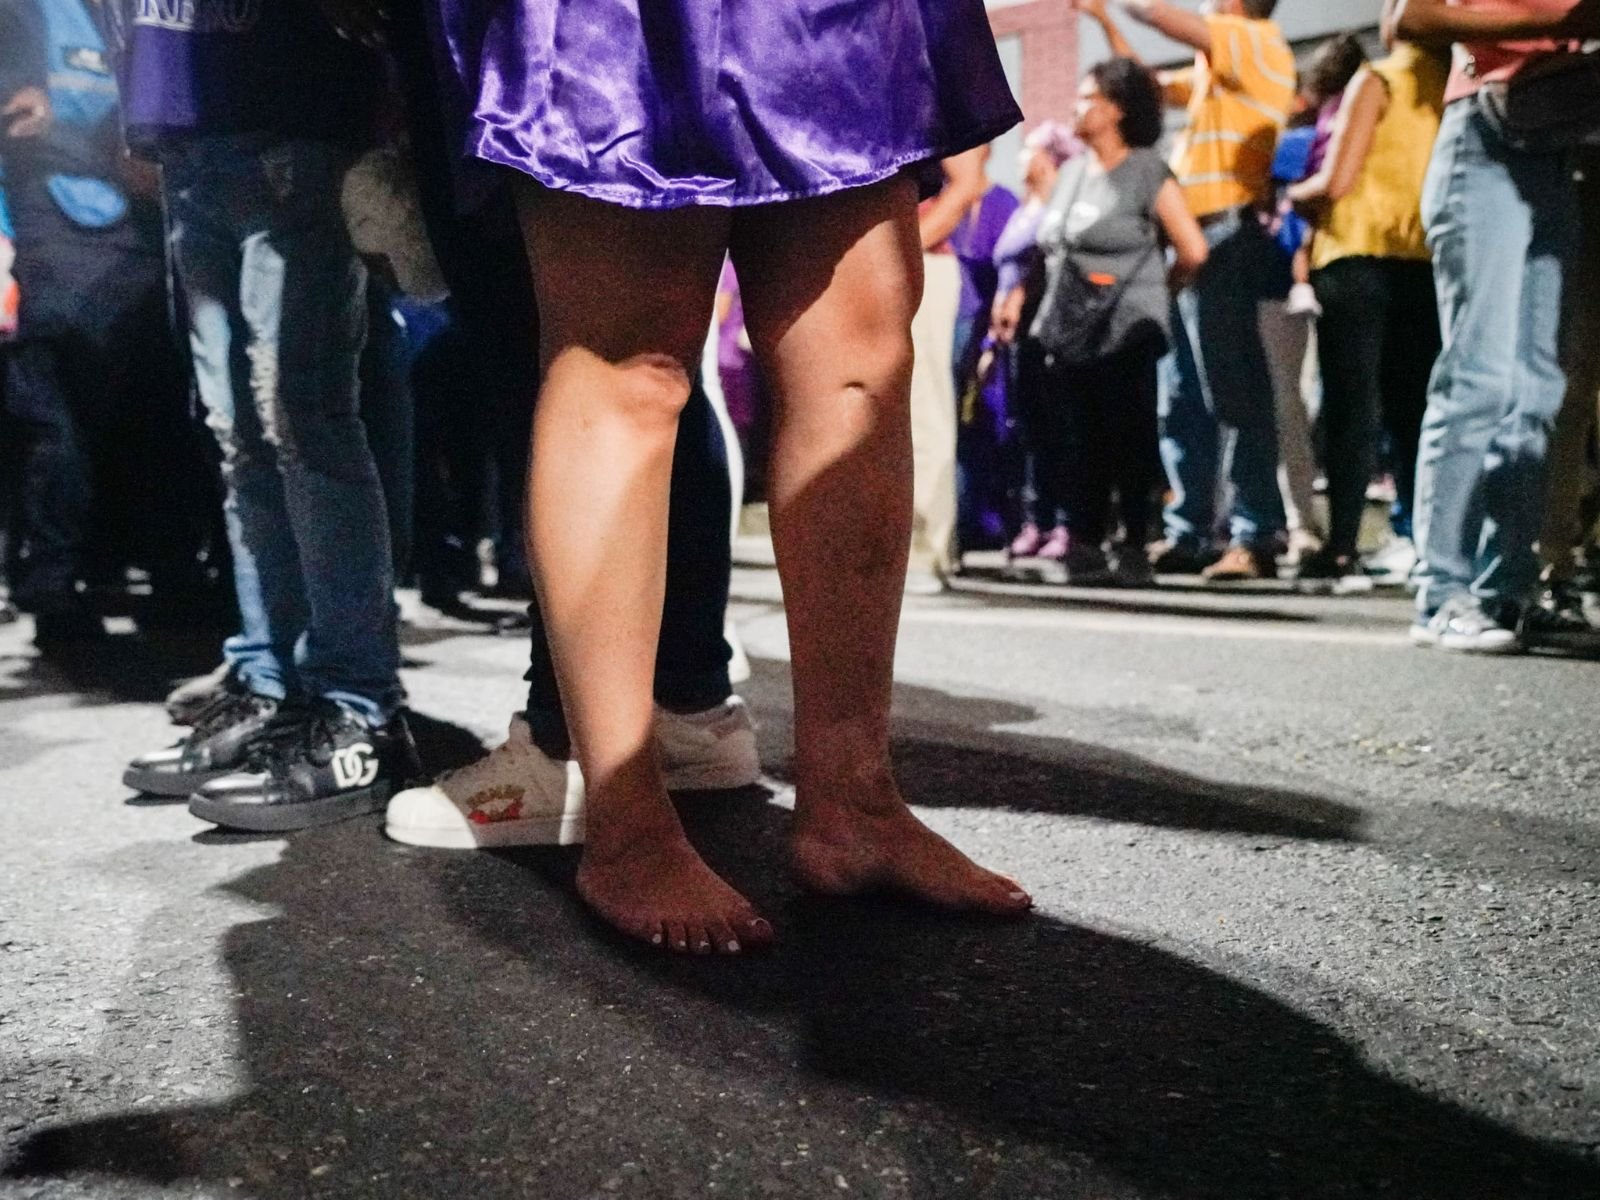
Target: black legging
<point>1099,437</point>
<point>1377,342</point>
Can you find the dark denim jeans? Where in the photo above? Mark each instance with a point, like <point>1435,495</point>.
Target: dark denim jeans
<point>277,316</point>
<point>1218,411</point>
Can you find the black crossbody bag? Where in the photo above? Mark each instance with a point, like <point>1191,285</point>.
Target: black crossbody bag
<point>1074,318</point>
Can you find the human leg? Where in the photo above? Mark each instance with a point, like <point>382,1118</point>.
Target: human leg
<point>1410,349</point>
<point>1287,337</point>
<point>53,472</point>
<point>933,417</point>
<point>830,289</point>
<point>1135,461</point>
<point>1189,435</point>
<point>1516,469</point>
<point>202,181</point>
<point>619,355</point>
<point>1350,341</point>
<point>1479,229</point>
<point>1563,534</point>
<point>1089,465</point>
<point>1238,381</point>
<point>303,304</point>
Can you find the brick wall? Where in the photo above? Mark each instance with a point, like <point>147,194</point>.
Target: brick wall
<point>1049,33</point>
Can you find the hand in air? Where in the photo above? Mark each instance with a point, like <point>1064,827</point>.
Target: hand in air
<point>27,114</point>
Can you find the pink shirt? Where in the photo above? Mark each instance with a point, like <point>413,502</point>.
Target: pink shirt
<point>1489,62</point>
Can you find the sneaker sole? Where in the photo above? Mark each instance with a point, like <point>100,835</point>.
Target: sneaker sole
<point>1459,645</point>
<point>169,784</point>
<point>287,818</point>
<point>566,830</point>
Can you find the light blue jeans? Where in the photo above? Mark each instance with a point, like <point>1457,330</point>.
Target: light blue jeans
<point>277,319</point>
<point>1217,400</point>
<point>1503,227</point>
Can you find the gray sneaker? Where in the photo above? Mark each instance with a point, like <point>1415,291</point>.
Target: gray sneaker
<point>1461,625</point>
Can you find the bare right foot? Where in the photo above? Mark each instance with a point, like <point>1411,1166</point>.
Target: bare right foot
<point>658,889</point>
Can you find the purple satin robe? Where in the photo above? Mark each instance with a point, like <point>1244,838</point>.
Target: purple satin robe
<point>668,103</point>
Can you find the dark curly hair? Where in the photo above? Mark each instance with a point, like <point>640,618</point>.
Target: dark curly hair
<point>1133,89</point>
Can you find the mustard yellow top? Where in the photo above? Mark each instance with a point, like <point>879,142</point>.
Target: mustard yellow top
<point>1238,95</point>
<point>1381,216</point>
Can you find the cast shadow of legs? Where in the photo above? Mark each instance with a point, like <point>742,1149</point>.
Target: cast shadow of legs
<point>414,1022</point>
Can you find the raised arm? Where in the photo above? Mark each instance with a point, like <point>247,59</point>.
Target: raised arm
<point>1179,24</point>
<point>1097,12</point>
<point>1365,102</point>
<point>964,185</point>
<point>1183,232</point>
<point>1439,23</point>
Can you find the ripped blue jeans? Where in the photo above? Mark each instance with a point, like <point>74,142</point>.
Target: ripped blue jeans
<point>277,319</point>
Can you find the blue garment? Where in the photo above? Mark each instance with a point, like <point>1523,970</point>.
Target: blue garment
<point>75,164</point>
<point>263,257</point>
<point>1222,407</point>
<point>1503,227</point>
<point>194,67</point>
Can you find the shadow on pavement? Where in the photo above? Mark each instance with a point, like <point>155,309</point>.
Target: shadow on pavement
<point>432,1024</point>
<point>120,669</point>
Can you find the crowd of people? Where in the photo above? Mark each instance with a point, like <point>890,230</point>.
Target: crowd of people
<point>384,231</point>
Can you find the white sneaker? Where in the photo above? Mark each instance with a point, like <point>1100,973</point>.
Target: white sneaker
<point>1461,625</point>
<point>708,751</point>
<point>1391,564</point>
<point>1303,301</point>
<point>516,795</point>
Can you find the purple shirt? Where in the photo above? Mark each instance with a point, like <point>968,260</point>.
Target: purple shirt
<point>1017,247</point>
<point>237,66</point>
<point>973,244</point>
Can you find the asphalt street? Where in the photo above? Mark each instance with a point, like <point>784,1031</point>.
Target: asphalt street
<point>1317,920</point>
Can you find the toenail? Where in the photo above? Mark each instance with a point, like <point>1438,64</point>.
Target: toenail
<point>1019,895</point>
<point>655,939</point>
<point>733,947</point>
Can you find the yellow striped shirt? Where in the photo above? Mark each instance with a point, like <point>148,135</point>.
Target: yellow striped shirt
<point>1239,95</point>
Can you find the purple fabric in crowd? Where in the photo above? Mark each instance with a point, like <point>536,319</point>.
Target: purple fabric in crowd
<point>736,363</point>
<point>667,103</point>
<point>1017,246</point>
<point>973,243</point>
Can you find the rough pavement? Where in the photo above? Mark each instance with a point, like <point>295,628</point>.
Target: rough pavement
<point>1317,920</point>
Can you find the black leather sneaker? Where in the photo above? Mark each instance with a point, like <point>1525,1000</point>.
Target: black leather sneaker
<point>314,766</point>
<point>224,730</point>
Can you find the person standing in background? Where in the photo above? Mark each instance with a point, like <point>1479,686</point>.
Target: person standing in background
<point>1379,335</point>
<point>95,398</point>
<point>933,393</point>
<point>1043,531</point>
<point>982,480</point>
<point>1564,537</point>
<point>256,120</point>
<point>1503,225</point>
<point>1218,400</point>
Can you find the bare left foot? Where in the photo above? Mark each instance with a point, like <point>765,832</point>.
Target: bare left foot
<point>839,848</point>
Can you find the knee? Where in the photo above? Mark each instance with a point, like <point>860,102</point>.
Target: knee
<point>651,390</point>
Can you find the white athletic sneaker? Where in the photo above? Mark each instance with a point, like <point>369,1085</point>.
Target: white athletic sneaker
<point>713,750</point>
<point>1461,625</point>
<point>515,795</point>
<point>1392,563</point>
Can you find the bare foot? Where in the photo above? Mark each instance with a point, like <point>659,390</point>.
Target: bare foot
<point>840,849</point>
<point>658,889</point>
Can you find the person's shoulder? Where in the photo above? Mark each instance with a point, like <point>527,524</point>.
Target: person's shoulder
<point>1149,163</point>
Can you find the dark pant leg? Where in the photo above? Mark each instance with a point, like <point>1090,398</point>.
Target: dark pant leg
<point>1354,295</point>
<point>54,475</point>
<point>1410,348</point>
<point>1133,449</point>
<point>692,657</point>
<point>1087,398</point>
<point>1040,503</point>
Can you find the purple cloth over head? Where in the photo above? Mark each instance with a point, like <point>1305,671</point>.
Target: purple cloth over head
<point>667,103</point>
